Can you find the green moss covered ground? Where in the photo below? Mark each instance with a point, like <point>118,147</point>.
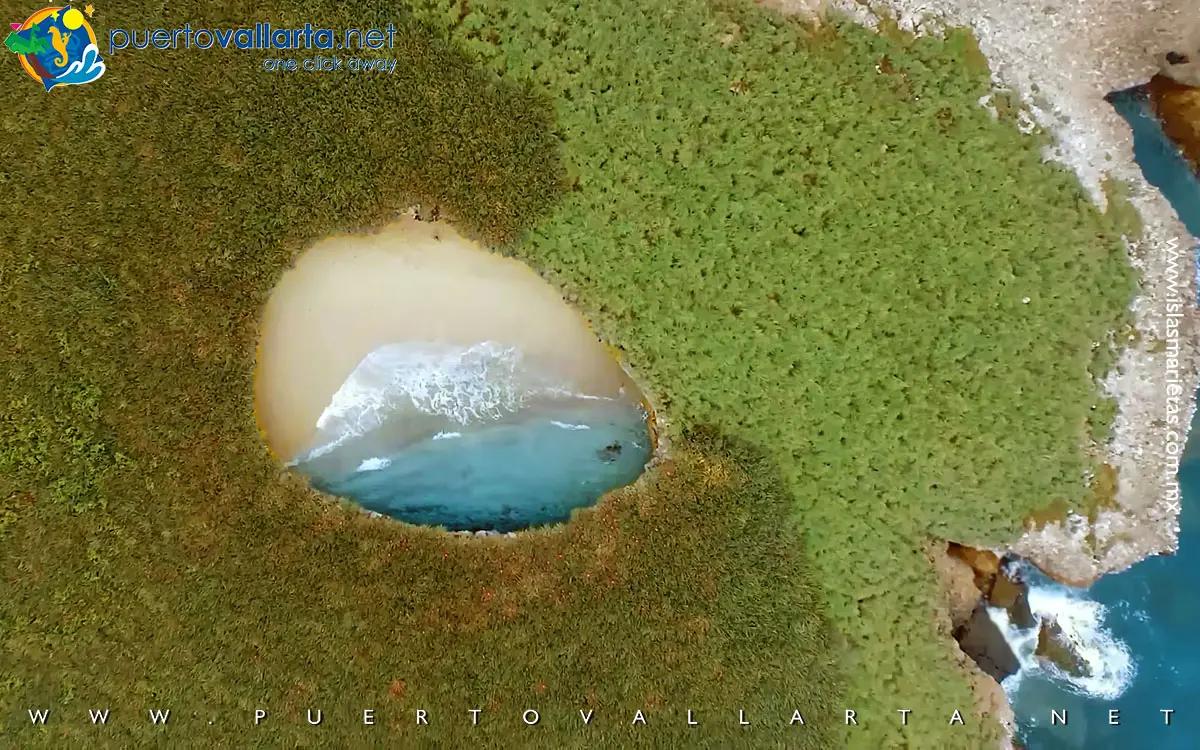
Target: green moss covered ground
<point>827,267</point>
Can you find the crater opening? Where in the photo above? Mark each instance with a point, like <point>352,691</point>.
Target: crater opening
<point>428,379</point>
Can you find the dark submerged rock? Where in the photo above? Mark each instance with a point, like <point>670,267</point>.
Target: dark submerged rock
<point>981,640</point>
<point>1055,647</point>
<point>1177,106</point>
<point>610,452</point>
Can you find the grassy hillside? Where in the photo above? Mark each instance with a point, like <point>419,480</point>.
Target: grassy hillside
<point>156,557</point>
<point>822,243</point>
<point>817,244</point>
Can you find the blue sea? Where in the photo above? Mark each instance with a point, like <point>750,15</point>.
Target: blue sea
<point>1139,630</point>
<point>1161,163</point>
<point>472,438</point>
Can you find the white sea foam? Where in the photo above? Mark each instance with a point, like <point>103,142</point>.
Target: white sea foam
<point>374,464</point>
<point>465,385</point>
<point>1082,621</point>
<point>447,435</point>
<point>555,391</point>
<point>566,426</point>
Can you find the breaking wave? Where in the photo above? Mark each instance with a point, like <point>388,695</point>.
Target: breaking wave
<point>374,464</point>
<point>472,438</point>
<point>1110,664</point>
<point>463,385</point>
<point>568,426</point>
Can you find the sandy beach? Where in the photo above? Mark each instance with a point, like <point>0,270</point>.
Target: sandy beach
<point>413,281</point>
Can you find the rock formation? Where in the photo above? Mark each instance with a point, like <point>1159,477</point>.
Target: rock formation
<point>975,579</point>
<point>1181,63</point>
<point>958,587</point>
<point>1059,61</point>
<point>1178,109</point>
<point>1011,594</point>
<point>984,563</point>
<point>998,586</point>
<point>955,612</point>
<point>1056,647</point>
<point>980,639</point>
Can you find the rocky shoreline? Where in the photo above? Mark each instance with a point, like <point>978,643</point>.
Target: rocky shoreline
<point>1061,58</point>
<point>999,584</point>
<point>975,580</point>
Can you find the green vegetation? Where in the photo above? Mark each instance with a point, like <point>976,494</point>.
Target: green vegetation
<point>1126,219</point>
<point>655,600</point>
<point>1103,494</point>
<point>815,241</point>
<point>1100,422</point>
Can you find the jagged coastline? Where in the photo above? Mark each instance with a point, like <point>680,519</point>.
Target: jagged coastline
<point>1061,63</point>
<point>1060,59</point>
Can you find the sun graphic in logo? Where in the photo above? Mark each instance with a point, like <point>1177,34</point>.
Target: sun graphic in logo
<point>57,47</point>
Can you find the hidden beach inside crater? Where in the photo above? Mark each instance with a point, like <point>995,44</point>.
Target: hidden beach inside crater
<point>451,414</point>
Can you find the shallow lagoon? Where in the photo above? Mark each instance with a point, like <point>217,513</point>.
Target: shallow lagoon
<point>529,470</point>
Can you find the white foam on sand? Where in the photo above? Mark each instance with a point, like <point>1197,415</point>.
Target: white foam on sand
<point>331,327</point>
<point>465,385</point>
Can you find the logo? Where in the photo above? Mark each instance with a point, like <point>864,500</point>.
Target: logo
<point>57,47</point>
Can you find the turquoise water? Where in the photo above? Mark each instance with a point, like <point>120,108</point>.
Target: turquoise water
<point>1139,630</point>
<point>472,438</point>
<point>1162,164</point>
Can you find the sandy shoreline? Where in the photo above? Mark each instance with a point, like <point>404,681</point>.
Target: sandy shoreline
<point>413,281</point>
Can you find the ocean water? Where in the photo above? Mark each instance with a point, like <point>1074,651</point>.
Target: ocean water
<point>472,438</point>
<point>1162,164</point>
<point>1139,630</point>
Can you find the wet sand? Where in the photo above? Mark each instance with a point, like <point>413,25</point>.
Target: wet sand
<point>414,281</point>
